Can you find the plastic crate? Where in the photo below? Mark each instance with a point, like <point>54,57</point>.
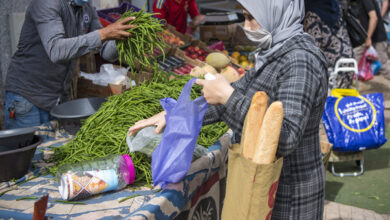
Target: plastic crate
<point>104,22</point>
<point>107,15</point>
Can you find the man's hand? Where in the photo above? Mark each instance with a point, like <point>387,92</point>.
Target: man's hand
<point>196,22</point>
<point>368,43</point>
<point>117,30</point>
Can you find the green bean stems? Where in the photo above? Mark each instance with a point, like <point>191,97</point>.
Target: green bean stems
<point>146,36</point>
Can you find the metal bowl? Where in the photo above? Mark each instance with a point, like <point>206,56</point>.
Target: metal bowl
<point>16,138</point>
<point>70,114</point>
<point>15,163</point>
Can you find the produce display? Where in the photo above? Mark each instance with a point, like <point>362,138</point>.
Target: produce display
<point>240,55</point>
<point>242,59</point>
<point>146,37</point>
<point>104,133</point>
<point>176,65</point>
<point>195,52</point>
<point>172,39</point>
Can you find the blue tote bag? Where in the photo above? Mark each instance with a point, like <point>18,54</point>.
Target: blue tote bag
<point>354,122</point>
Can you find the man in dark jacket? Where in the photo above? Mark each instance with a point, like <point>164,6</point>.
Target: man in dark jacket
<point>55,33</point>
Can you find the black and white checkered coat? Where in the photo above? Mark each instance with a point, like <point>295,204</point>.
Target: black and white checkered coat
<point>296,75</point>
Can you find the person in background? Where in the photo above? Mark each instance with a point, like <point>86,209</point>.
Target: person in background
<point>383,7</point>
<point>175,12</point>
<point>54,34</point>
<point>290,68</point>
<point>324,21</point>
<point>371,19</point>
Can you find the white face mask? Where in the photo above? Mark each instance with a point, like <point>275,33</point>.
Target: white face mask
<point>260,36</point>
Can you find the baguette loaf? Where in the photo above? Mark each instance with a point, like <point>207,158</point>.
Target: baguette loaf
<point>269,134</point>
<point>252,124</point>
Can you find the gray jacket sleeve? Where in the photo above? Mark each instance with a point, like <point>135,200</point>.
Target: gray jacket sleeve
<point>108,49</point>
<point>215,113</point>
<point>59,48</point>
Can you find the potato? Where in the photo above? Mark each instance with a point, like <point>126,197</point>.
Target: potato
<point>230,74</point>
<point>198,72</point>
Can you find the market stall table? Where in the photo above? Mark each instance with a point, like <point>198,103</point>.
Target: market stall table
<point>200,193</point>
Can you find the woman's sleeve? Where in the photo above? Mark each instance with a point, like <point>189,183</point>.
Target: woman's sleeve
<point>297,88</point>
<point>234,111</point>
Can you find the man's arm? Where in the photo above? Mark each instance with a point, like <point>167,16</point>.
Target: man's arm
<point>59,47</point>
<point>195,16</point>
<point>373,20</point>
<point>385,6</point>
<point>159,7</point>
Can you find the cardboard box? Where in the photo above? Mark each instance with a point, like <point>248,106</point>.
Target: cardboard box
<point>215,33</point>
<point>86,88</point>
<point>140,77</point>
<point>88,63</point>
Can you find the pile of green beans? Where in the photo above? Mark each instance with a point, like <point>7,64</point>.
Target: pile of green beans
<point>104,133</point>
<point>146,36</point>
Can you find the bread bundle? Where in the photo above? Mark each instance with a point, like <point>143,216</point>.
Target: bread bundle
<point>261,131</point>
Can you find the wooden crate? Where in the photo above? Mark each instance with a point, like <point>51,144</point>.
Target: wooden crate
<point>88,63</point>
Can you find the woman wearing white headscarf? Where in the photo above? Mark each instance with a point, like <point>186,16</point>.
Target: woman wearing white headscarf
<point>291,69</point>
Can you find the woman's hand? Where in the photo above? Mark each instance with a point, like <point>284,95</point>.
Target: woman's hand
<point>216,91</point>
<point>157,120</point>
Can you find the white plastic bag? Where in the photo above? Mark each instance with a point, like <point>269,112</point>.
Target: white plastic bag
<point>109,75</point>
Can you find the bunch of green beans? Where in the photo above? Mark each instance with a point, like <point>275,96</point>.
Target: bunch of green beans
<point>146,36</point>
<point>104,133</point>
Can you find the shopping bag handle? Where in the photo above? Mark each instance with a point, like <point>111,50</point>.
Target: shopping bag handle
<point>340,93</point>
<point>186,93</point>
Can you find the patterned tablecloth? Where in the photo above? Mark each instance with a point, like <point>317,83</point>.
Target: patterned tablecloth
<point>198,196</point>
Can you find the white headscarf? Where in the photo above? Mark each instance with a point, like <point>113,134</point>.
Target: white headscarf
<point>280,18</point>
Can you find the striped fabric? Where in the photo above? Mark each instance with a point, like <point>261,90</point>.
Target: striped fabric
<point>160,4</point>
<point>295,75</point>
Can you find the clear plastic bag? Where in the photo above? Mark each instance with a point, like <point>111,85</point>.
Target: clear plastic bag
<point>146,141</point>
<point>371,54</point>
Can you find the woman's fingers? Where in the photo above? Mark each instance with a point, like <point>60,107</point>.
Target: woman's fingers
<point>159,128</point>
<point>139,125</point>
<point>158,120</point>
<point>200,82</point>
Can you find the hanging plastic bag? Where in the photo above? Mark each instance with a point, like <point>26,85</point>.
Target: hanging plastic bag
<point>364,66</point>
<point>376,66</point>
<point>172,158</point>
<point>146,141</point>
<point>371,54</point>
<point>353,122</point>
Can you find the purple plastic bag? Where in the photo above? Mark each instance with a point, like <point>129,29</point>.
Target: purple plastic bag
<point>172,158</point>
